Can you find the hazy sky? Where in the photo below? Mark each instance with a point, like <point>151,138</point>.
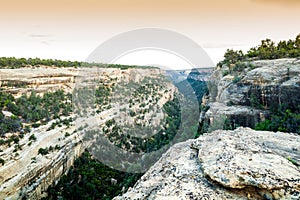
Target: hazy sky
<point>72,29</point>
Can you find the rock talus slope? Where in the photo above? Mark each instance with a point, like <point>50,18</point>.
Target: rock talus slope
<point>239,164</point>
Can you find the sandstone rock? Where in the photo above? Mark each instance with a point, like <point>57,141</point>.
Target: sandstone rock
<point>28,174</point>
<point>272,82</point>
<point>237,115</point>
<point>267,84</point>
<point>239,164</point>
<point>40,79</point>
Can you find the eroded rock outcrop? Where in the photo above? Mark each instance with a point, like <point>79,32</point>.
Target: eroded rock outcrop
<point>39,79</point>
<point>239,164</point>
<point>246,95</point>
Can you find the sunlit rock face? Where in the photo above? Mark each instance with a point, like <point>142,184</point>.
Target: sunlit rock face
<point>239,164</point>
<point>26,173</point>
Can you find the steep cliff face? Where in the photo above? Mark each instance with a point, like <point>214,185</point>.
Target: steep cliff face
<point>246,95</point>
<point>38,79</point>
<point>28,173</point>
<point>239,164</point>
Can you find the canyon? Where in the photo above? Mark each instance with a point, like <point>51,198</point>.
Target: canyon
<point>221,164</point>
<point>240,163</point>
<point>27,173</point>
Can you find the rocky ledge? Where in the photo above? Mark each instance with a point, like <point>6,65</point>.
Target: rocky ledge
<point>239,164</point>
<point>246,95</point>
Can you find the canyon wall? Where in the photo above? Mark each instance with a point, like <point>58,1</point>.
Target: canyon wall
<point>27,173</point>
<point>245,96</point>
<point>237,164</point>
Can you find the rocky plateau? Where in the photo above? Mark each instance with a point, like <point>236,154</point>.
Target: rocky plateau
<point>239,164</point>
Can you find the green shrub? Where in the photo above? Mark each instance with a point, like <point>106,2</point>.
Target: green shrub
<point>254,101</point>
<point>2,161</point>
<point>239,66</point>
<point>15,139</point>
<point>225,73</point>
<point>294,162</point>
<point>264,126</point>
<point>132,113</point>
<point>32,138</point>
<point>230,103</point>
<point>281,119</point>
<point>43,151</point>
<point>236,79</point>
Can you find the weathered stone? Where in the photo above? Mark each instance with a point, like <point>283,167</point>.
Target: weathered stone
<point>267,84</point>
<point>239,164</point>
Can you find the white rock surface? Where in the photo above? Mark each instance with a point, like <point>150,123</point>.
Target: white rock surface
<point>239,164</point>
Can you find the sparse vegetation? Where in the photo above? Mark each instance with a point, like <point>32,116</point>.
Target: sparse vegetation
<point>294,162</point>
<point>33,109</point>
<point>281,119</point>
<point>47,150</point>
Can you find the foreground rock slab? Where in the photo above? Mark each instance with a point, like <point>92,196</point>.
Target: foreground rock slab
<point>239,164</point>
